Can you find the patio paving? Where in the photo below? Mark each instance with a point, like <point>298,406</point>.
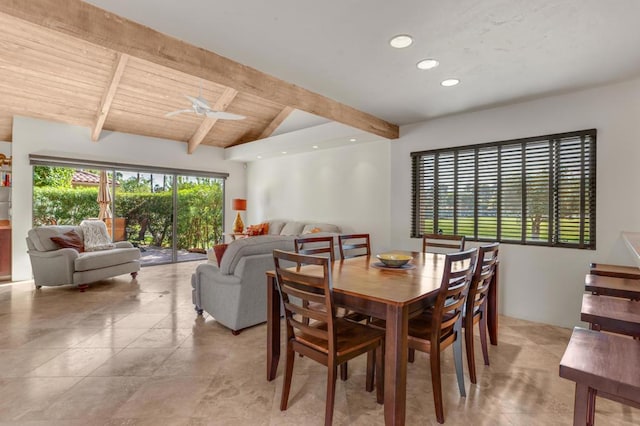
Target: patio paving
<point>151,255</point>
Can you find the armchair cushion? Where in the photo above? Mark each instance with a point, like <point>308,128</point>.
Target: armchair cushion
<point>96,236</point>
<point>100,259</point>
<point>70,239</point>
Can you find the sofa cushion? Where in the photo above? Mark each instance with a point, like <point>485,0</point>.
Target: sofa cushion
<point>321,227</point>
<point>292,228</point>
<point>96,236</point>
<point>262,244</point>
<point>41,236</point>
<point>102,259</point>
<point>219,251</point>
<point>70,239</point>
<point>275,226</point>
<point>259,229</point>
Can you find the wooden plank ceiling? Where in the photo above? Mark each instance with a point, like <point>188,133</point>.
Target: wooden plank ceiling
<point>53,75</point>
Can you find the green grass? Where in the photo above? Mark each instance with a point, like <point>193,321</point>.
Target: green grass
<point>510,227</point>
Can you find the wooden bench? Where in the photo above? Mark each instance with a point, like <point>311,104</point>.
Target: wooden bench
<point>611,314</point>
<point>604,365</point>
<point>610,286</point>
<point>616,271</point>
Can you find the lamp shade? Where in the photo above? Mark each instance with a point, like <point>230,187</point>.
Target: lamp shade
<point>239,204</point>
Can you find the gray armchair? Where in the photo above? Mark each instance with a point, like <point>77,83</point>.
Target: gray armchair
<point>53,266</point>
<point>235,293</point>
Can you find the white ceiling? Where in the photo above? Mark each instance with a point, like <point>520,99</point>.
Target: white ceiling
<point>503,51</point>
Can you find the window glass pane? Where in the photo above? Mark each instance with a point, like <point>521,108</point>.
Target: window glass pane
<point>465,192</point>
<point>529,191</point>
<point>487,192</point>
<point>537,191</point>
<point>446,186</point>
<point>511,192</point>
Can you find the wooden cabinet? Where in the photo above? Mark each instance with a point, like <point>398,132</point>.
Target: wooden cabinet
<point>5,252</point>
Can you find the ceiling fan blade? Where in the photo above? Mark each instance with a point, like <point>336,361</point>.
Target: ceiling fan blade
<point>180,111</point>
<point>223,115</point>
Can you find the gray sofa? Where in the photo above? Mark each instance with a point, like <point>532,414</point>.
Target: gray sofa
<point>235,293</point>
<point>53,266</point>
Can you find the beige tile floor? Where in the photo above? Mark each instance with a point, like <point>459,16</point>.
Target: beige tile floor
<point>135,353</point>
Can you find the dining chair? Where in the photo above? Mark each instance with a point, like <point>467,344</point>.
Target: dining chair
<point>476,305</point>
<point>352,245</point>
<point>442,241</point>
<point>330,340</point>
<point>315,246</point>
<point>440,326</point>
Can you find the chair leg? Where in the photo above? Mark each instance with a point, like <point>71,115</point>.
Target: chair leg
<point>412,355</point>
<point>471,360</point>
<point>344,371</point>
<point>371,368</point>
<point>288,373</point>
<point>436,382</point>
<point>457,359</point>
<point>380,373</point>
<point>332,375</point>
<point>483,338</point>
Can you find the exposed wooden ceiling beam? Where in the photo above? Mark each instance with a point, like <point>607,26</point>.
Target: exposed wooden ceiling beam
<point>87,22</point>
<point>275,122</point>
<point>207,124</point>
<point>107,97</point>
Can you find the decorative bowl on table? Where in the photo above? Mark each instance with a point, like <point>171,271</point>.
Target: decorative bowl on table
<point>394,260</point>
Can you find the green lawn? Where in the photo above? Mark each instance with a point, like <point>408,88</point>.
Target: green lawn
<point>510,227</point>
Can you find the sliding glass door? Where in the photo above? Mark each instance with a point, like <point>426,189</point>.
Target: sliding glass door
<point>171,217</point>
<point>199,211</point>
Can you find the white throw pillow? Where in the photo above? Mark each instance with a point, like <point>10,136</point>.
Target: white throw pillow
<point>96,236</point>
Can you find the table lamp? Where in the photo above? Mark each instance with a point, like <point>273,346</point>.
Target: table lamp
<point>239,205</point>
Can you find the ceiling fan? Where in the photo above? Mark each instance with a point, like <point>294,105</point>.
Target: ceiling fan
<point>200,106</point>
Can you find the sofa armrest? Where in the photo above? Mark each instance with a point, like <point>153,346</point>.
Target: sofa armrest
<point>208,273</point>
<point>123,244</point>
<point>53,267</point>
<point>67,253</point>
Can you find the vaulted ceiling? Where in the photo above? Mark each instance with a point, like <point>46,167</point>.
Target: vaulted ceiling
<point>125,66</point>
<point>74,63</point>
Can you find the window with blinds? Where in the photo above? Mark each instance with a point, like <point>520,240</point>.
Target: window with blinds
<point>539,190</point>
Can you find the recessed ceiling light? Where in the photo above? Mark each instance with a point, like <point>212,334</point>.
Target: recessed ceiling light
<point>315,147</point>
<point>427,64</point>
<point>450,82</point>
<point>284,152</point>
<point>353,140</point>
<point>259,157</point>
<point>401,41</point>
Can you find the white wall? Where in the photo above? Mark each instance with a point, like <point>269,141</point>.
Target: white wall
<point>539,283</point>
<point>346,186</point>
<point>35,136</point>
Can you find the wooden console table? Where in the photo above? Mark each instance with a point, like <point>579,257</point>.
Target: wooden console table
<point>602,365</point>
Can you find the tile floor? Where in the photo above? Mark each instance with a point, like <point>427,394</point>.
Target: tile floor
<point>135,353</point>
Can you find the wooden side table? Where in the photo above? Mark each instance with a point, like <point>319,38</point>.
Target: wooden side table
<point>602,365</point>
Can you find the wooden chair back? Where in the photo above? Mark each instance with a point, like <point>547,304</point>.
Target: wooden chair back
<point>352,245</point>
<point>298,290</point>
<point>442,241</point>
<point>458,274</point>
<point>482,277</point>
<point>315,246</point>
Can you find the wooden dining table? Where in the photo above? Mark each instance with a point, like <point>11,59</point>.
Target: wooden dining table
<point>359,284</point>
